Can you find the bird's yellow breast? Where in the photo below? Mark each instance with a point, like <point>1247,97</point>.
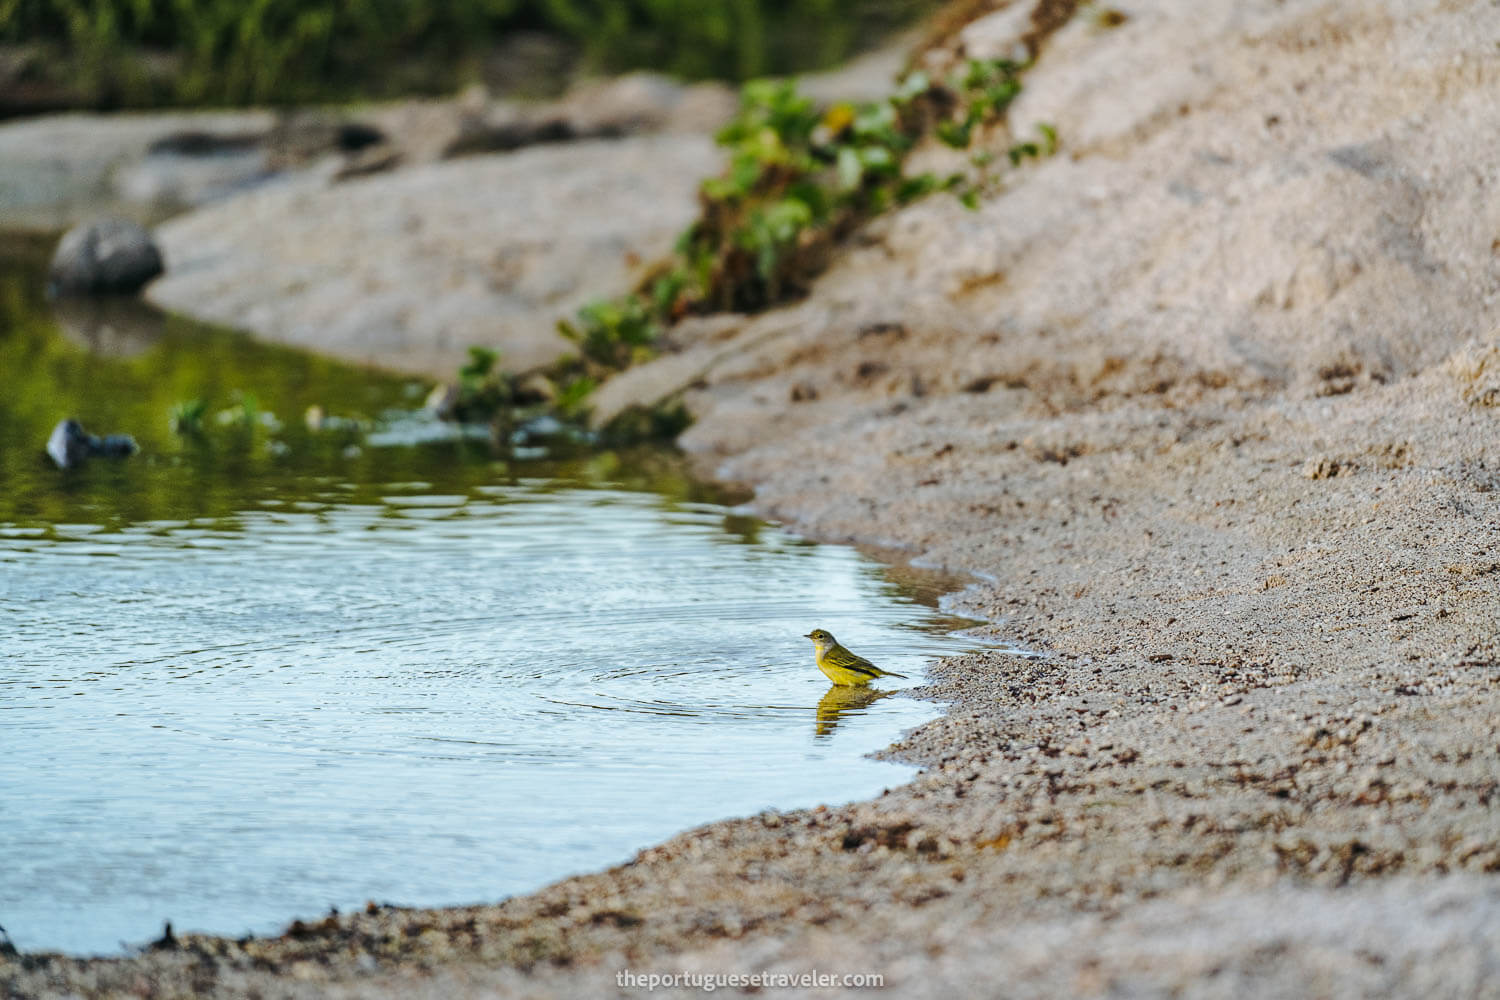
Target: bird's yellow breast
<point>841,675</point>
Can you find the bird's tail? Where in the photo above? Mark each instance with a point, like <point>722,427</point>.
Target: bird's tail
<point>892,673</point>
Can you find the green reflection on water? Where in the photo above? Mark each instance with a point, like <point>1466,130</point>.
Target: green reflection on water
<point>121,367</point>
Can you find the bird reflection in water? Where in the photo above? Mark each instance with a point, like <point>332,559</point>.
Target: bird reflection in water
<point>840,700</point>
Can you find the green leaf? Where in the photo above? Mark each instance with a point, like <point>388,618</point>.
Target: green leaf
<point>918,186</point>
<point>481,362</point>
<point>1049,137</point>
<point>1020,151</point>
<point>955,134</point>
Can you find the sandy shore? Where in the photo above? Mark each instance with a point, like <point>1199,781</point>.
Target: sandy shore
<point>1208,401</point>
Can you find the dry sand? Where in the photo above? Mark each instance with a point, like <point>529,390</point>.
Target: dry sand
<point>1208,400</point>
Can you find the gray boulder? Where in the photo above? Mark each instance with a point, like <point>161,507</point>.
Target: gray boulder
<point>104,257</point>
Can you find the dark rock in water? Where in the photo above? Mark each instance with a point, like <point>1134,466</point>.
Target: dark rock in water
<point>104,257</point>
<point>70,445</point>
<point>116,446</point>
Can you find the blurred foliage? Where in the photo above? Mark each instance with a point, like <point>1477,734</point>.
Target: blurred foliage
<point>613,334</point>
<point>1046,146</point>
<point>984,90</point>
<point>186,417</point>
<point>799,179</point>
<point>141,52</point>
<point>483,387</point>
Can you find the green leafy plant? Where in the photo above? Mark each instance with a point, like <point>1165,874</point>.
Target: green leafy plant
<point>985,89</point>
<point>483,387</point>
<point>243,415</point>
<point>186,417</point>
<point>480,366</point>
<point>613,334</point>
<point>572,398</point>
<point>1035,150</point>
<point>798,180</point>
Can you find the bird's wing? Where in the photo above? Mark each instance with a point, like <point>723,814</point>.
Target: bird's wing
<point>858,664</point>
<point>861,665</point>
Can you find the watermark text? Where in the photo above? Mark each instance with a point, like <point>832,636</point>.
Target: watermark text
<point>707,982</point>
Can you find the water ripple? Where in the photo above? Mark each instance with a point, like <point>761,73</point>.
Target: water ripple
<point>429,698</point>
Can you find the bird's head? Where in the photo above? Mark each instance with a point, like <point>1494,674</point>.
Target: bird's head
<point>821,638</point>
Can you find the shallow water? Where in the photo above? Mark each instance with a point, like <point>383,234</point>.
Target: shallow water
<point>267,671</point>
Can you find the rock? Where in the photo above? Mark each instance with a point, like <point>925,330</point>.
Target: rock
<point>870,77</point>
<point>60,170</point>
<point>483,136</point>
<point>645,386</point>
<point>70,445</point>
<point>636,102</point>
<point>199,142</point>
<point>486,250</point>
<point>193,167</point>
<point>115,446</point>
<point>705,107</point>
<point>698,343</point>
<point>104,257</point>
<point>1001,35</point>
<point>301,137</point>
<point>370,160</point>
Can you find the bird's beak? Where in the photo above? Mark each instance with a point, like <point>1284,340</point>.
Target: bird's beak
<point>807,636</point>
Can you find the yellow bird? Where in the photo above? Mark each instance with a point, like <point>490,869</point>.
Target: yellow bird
<point>841,666</point>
